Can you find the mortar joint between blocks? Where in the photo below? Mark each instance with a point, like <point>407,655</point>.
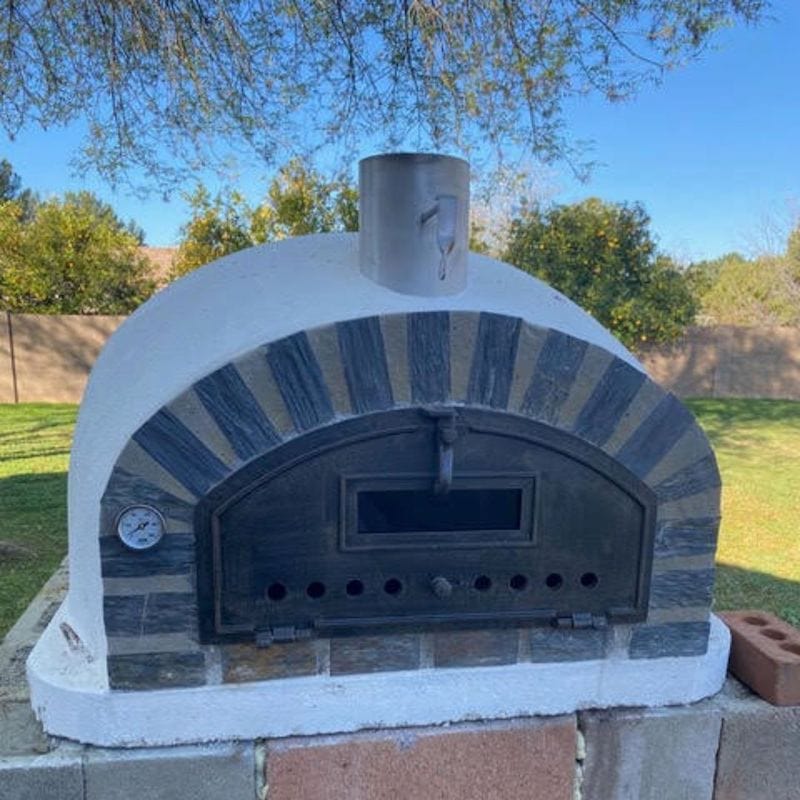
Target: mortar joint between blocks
<point>260,766</point>
<point>580,757</point>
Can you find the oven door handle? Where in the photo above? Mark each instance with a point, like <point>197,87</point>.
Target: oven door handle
<point>446,435</point>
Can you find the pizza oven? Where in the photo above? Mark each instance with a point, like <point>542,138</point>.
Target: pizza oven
<point>370,479</point>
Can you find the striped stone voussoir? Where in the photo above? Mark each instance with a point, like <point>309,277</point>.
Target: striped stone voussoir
<point>318,377</point>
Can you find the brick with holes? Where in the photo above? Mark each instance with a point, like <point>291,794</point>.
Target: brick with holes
<point>765,654</point>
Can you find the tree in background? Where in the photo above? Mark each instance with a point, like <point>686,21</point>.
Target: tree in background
<point>299,201</point>
<point>733,290</point>
<point>702,275</point>
<point>793,252</point>
<point>11,190</point>
<point>602,256</point>
<point>159,84</point>
<point>70,256</point>
<point>218,226</point>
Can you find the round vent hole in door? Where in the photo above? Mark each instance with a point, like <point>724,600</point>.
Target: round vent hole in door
<point>315,590</point>
<point>355,588</point>
<point>518,582</point>
<point>393,586</point>
<point>554,581</point>
<point>276,591</point>
<point>589,580</point>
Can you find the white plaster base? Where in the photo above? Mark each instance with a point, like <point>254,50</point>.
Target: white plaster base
<point>66,696</point>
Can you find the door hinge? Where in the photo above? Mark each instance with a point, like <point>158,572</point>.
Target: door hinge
<point>581,619</point>
<point>281,634</point>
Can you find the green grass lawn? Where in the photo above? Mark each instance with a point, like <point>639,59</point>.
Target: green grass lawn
<point>34,452</point>
<point>757,444</point>
<point>758,448</point>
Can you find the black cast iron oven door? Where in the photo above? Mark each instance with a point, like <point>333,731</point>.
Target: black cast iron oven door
<point>423,518</point>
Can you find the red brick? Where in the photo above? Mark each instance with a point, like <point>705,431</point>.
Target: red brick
<point>531,759</point>
<point>765,654</point>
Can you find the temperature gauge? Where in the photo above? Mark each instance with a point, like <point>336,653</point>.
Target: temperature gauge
<point>140,527</point>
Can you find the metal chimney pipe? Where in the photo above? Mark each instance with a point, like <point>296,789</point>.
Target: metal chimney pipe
<point>414,222</point>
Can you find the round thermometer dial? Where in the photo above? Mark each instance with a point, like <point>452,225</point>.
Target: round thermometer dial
<point>140,527</point>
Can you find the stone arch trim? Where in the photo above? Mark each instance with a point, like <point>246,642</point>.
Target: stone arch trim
<point>315,378</point>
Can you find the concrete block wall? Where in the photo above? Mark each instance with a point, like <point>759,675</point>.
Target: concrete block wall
<point>47,358</point>
<point>731,747</point>
<point>7,381</point>
<point>729,361</point>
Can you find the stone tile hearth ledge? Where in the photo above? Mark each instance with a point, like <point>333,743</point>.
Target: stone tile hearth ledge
<point>20,732</point>
<point>72,693</point>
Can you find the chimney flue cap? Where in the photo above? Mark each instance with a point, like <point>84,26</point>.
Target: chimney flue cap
<point>414,222</point>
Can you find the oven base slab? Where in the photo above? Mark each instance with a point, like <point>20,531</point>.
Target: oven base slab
<point>70,697</point>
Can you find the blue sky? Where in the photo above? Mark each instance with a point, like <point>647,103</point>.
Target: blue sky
<point>712,153</point>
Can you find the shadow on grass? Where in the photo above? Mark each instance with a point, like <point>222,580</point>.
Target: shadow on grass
<point>31,432</point>
<point>29,496</point>
<point>722,419</point>
<point>52,453</point>
<point>740,589</point>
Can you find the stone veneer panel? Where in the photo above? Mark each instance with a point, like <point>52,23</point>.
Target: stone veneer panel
<point>395,344</point>
<point>169,442</point>
<point>429,357</point>
<point>594,364</point>
<point>174,556</point>
<point>364,361</point>
<point>324,342</point>
<point>656,436</point>
<point>688,537</point>
<point>375,653</point>
<point>192,413</point>
<point>312,379</point>
<point>142,615</point>
<point>479,648</point>
<point>156,670</point>
<point>493,359</point>
<point>548,645</point>
<point>646,399</point>
<point>682,454</point>
<point>463,337</point>
<point>556,370</point>
<point>300,382</point>
<point>236,412</point>
<point>529,345</point>
<point>612,395</point>
<point>241,663</point>
<point>264,389</point>
<point>669,639</point>
<point>681,587</point>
